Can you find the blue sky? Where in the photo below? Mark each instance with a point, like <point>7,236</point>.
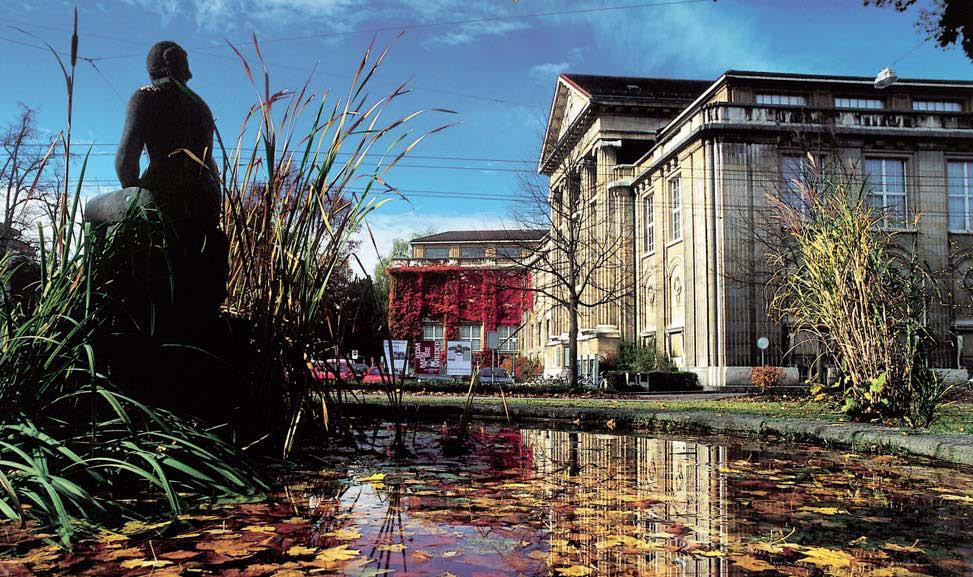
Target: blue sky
<point>491,62</point>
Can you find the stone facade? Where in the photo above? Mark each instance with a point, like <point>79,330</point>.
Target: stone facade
<point>703,190</point>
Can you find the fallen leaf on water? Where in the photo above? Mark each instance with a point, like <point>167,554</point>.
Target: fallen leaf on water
<point>260,529</point>
<point>902,548</point>
<point>749,563</point>
<point>300,550</point>
<point>823,557</point>
<point>575,571</point>
<point>145,563</point>
<point>895,572</point>
<point>372,478</point>
<point>824,510</point>
<point>394,548</point>
<point>344,534</point>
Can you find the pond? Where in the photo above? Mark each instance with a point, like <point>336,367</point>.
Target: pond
<point>533,501</point>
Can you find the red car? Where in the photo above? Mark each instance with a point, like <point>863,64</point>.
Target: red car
<point>372,376</point>
<point>323,371</point>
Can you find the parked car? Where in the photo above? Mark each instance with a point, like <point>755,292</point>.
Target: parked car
<point>372,376</point>
<point>498,376</point>
<point>323,370</point>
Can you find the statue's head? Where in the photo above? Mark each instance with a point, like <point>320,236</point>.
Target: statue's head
<point>168,59</point>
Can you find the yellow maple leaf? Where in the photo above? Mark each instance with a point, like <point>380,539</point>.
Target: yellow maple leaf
<point>300,550</point>
<point>334,555</point>
<point>345,534</point>
<point>394,548</point>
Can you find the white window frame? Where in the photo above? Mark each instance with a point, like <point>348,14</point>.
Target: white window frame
<point>853,103</point>
<point>473,337</point>
<point>505,332</point>
<point>648,215</point>
<point>675,208</point>
<point>433,331</point>
<point>965,194</point>
<point>782,99</point>
<point>880,188</point>
<point>937,106</point>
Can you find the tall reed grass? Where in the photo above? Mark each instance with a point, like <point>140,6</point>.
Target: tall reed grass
<point>297,189</point>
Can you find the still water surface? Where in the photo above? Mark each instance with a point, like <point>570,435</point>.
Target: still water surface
<point>567,503</point>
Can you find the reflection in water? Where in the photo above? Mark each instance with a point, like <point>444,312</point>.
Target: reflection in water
<point>526,502</point>
<point>609,495</point>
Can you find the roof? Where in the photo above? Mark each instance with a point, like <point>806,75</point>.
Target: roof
<point>482,236</point>
<point>634,89</point>
<point>843,79</point>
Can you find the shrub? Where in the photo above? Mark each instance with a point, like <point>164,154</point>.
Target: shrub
<point>839,275</point>
<point>766,378</point>
<point>635,358</point>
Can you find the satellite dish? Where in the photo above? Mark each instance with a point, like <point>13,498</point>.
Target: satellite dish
<point>763,343</point>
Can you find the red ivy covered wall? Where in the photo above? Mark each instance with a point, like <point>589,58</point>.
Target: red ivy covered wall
<point>454,294</point>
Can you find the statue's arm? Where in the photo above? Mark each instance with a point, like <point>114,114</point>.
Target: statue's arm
<point>130,148</point>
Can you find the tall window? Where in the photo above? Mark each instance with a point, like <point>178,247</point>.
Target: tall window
<point>472,252</point>
<point>675,210</point>
<point>959,184</point>
<point>868,103</point>
<point>937,105</point>
<point>649,218</point>
<point>885,178</point>
<point>432,331</point>
<point>436,252</point>
<point>782,99</point>
<point>473,334</point>
<point>508,342</point>
<point>797,172</point>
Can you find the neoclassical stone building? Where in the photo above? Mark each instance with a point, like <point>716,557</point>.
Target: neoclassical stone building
<point>700,195</point>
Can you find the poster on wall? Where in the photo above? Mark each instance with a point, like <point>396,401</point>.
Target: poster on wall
<point>459,358</point>
<point>394,353</point>
<point>428,354</point>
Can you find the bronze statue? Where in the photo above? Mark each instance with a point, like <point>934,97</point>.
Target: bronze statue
<point>166,273</point>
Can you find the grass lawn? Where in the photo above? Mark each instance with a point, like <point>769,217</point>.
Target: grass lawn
<point>957,417</point>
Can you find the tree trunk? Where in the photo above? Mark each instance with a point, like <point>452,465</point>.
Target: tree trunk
<point>573,341</point>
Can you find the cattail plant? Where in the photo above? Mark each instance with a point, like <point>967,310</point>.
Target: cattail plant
<point>296,190</point>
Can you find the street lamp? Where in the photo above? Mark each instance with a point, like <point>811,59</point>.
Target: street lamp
<point>885,78</point>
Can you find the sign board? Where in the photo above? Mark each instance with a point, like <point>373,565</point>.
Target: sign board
<point>493,340</point>
<point>459,358</point>
<point>395,350</point>
<point>354,354</point>
<point>428,355</point>
<point>763,343</point>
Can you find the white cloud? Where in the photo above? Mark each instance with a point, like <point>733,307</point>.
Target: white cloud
<point>548,71</point>
<point>472,31</point>
<point>386,227</point>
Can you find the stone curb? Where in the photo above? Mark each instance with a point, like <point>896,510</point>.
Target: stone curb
<point>951,448</point>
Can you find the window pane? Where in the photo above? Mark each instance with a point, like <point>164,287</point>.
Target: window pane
<point>509,251</point>
<point>957,213</point>
<point>896,208</point>
<point>472,252</point>
<point>432,252</point>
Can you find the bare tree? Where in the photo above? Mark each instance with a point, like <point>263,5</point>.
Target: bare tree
<point>24,196</point>
<point>580,264</point>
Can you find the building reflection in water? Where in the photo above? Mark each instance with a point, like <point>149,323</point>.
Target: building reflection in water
<point>632,505</point>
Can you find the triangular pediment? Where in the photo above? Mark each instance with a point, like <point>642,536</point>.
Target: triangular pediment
<point>569,102</point>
